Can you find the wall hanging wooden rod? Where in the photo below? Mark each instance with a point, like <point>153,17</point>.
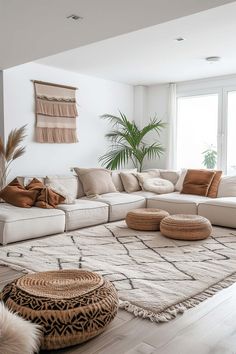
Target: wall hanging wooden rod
<point>52,84</point>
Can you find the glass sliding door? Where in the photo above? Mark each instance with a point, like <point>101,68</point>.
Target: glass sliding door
<point>197,128</point>
<point>231,133</point>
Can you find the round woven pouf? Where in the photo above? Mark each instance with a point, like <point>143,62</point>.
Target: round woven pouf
<point>186,227</point>
<point>147,219</point>
<point>71,306</point>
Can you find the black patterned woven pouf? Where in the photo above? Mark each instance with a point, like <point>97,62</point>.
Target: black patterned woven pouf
<point>72,306</point>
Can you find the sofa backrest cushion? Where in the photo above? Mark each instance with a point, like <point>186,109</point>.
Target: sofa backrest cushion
<point>179,183</point>
<point>213,190</point>
<point>95,181</point>
<point>69,182</point>
<point>197,182</point>
<point>227,187</point>
<point>170,175</point>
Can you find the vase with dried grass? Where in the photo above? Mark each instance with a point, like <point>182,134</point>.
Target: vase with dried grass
<point>9,153</point>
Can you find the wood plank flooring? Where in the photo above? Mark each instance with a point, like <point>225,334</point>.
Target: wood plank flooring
<point>209,328</point>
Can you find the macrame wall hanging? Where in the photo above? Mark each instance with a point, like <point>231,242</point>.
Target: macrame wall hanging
<point>56,112</point>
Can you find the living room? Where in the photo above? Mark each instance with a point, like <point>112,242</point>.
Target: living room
<point>168,67</point>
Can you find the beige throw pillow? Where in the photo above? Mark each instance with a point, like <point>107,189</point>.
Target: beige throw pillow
<point>130,182</point>
<point>142,176</point>
<point>95,181</point>
<point>115,175</point>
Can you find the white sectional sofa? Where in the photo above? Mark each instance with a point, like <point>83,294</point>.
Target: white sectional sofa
<point>18,224</point>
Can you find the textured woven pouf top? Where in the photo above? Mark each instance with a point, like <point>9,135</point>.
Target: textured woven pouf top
<point>146,219</point>
<point>186,227</point>
<point>72,306</point>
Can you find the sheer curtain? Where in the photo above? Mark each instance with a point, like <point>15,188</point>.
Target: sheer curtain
<point>172,128</point>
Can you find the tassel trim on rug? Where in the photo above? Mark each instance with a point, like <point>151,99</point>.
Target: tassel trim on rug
<point>172,311</point>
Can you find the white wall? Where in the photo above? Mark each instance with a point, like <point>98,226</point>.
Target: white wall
<point>149,102</point>
<point>95,97</point>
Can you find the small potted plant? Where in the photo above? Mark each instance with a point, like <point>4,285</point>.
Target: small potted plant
<point>210,157</point>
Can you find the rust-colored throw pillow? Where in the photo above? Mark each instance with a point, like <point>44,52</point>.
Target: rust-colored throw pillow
<point>16,194</point>
<point>48,199</point>
<point>197,182</point>
<point>35,185</point>
<point>213,190</point>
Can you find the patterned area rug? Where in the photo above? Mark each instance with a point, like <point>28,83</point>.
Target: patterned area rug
<point>156,277</point>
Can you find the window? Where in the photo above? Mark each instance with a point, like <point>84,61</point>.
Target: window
<point>197,128</point>
<point>231,131</point>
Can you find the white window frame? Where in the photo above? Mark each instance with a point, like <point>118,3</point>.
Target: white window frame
<point>225,92</point>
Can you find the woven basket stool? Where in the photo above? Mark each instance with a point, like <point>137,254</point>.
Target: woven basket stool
<point>186,227</point>
<point>71,306</point>
<point>147,219</point>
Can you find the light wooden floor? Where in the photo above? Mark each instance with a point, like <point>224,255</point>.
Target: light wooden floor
<point>209,328</point>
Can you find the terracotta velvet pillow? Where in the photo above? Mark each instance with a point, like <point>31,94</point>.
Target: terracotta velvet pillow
<point>197,182</point>
<point>213,190</point>
<point>16,194</point>
<point>48,199</point>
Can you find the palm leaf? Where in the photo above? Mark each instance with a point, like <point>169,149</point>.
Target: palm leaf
<point>128,141</point>
<point>116,158</point>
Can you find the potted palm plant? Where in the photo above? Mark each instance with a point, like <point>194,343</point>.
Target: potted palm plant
<point>12,151</point>
<point>128,142</point>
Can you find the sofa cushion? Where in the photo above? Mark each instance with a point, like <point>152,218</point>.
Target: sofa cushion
<point>95,181</point>
<point>69,182</point>
<point>84,213</point>
<point>18,224</point>
<point>176,203</point>
<point>179,183</point>
<point>145,194</point>
<point>17,195</point>
<point>213,190</point>
<point>220,211</point>
<point>170,175</point>
<point>227,187</point>
<point>197,182</point>
<point>121,203</point>
<point>130,182</point>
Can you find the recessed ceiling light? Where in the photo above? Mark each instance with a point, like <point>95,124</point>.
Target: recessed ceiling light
<point>179,39</point>
<point>212,59</point>
<point>74,17</point>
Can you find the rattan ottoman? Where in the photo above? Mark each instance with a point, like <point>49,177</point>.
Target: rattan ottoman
<point>71,306</point>
<point>186,227</point>
<point>146,219</point>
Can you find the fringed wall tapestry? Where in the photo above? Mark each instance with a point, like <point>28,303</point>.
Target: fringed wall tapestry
<point>56,112</point>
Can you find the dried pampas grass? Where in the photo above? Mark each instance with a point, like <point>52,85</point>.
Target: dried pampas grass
<point>11,151</point>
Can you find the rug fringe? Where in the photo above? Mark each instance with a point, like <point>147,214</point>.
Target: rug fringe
<point>15,267</point>
<point>172,311</point>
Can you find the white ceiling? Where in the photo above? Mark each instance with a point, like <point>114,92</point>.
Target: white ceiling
<point>152,55</point>
<point>33,29</point>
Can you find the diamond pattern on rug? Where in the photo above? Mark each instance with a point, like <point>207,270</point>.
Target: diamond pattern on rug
<point>156,277</point>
